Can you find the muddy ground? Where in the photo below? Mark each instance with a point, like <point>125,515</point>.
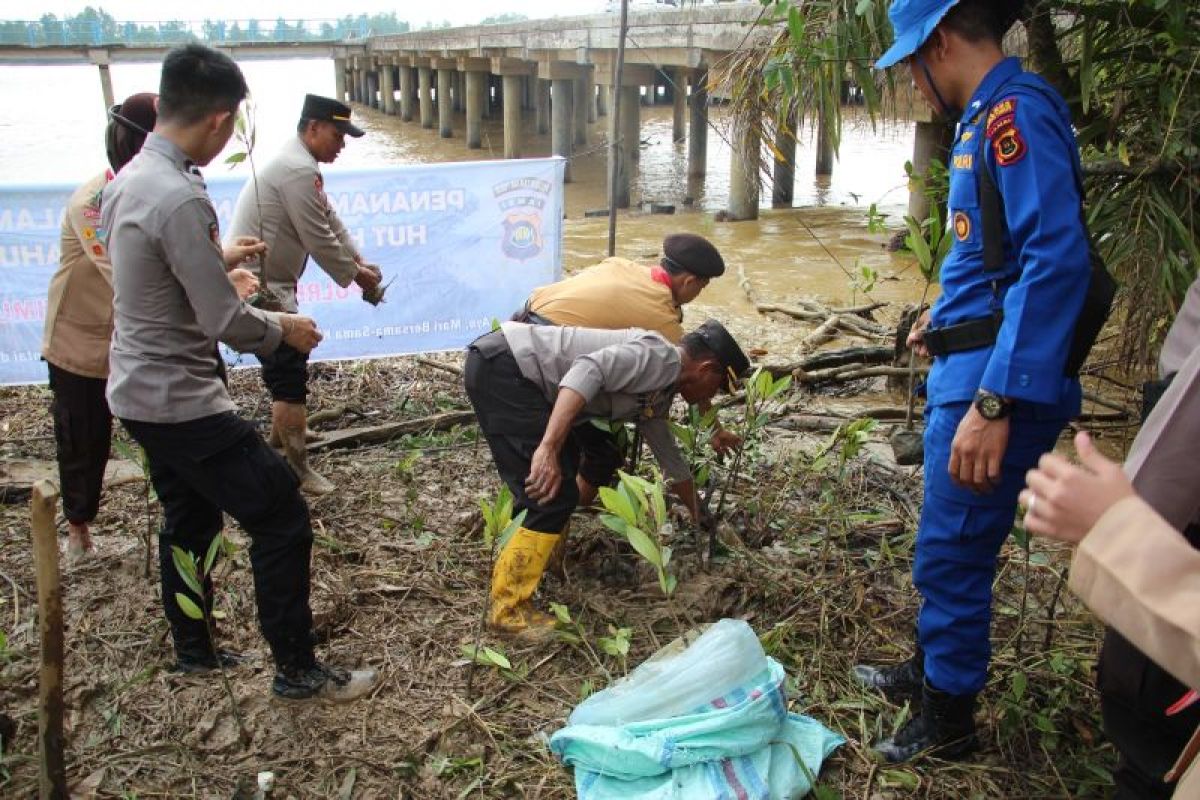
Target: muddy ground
<point>400,573</point>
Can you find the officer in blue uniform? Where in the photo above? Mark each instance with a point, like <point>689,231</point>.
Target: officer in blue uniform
<point>999,391</point>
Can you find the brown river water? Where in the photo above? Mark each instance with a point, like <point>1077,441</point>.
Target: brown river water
<point>810,250</point>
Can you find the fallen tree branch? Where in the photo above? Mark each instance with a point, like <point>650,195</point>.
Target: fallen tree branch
<point>853,373</point>
<point>353,437</point>
<point>833,358</point>
<point>451,368</point>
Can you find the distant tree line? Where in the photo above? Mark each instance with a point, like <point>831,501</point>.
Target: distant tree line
<point>95,26</point>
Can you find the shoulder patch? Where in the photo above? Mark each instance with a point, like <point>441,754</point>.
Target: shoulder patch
<point>214,233</point>
<point>1009,147</point>
<point>97,249</point>
<point>1001,116</point>
<point>962,226</point>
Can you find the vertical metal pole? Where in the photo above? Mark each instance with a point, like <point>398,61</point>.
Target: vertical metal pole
<point>613,151</point>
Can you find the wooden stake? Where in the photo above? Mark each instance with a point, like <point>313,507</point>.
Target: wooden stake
<point>53,777</point>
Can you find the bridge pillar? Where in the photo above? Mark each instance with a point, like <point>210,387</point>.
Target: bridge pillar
<point>475,79</point>
<point>783,175</point>
<point>424,89</point>
<point>374,95</point>
<point>339,79</point>
<point>512,115</point>
<point>446,68</point>
<point>589,94</point>
<point>406,92</point>
<point>561,115</point>
<point>698,134</point>
<point>679,100</point>
<point>387,86</point>
<point>602,102</point>
<point>824,147</point>
<point>512,72</point>
<point>541,106</point>
<point>627,100</point>
<point>364,84</point>
<point>579,106</point>
<point>743,172</point>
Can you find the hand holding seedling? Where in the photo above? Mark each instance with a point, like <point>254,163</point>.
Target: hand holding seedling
<point>300,332</point>
<point>245,282</point>
<point>243,249</point>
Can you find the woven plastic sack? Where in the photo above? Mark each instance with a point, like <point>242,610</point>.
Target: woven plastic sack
<point>680,678</point>
<point>738,741</point>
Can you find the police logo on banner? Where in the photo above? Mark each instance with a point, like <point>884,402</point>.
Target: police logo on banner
<point>523,201</point>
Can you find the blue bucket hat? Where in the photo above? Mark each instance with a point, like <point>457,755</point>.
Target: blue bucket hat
<point>912,21</point>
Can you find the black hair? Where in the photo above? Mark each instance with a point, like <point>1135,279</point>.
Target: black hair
<point>198,81</point>
<point>697,347</point>
<point>983,20</point>
<point>672,267</point>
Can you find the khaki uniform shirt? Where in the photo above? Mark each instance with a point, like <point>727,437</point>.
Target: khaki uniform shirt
<point>297,221</point>
<point>172,296</point>
<point>79,311</point>
<point>1139,575</point>
<point>625,376</point>
<point>613,295</point>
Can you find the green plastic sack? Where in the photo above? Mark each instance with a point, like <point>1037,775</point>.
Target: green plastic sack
<point>742,743</point>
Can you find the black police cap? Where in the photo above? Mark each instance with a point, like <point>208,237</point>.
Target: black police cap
<point>329,110</point>
<point>721,342</point>
<point>693,253</point>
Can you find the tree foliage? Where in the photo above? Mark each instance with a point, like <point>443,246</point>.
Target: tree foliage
<point>1127,69</point>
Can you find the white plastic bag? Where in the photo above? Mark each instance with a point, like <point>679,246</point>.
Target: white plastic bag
<point>680,678</point>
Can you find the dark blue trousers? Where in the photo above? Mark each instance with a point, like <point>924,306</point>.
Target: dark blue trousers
<point>958,540</point>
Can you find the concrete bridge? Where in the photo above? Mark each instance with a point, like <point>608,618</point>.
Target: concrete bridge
<point>561,71</point>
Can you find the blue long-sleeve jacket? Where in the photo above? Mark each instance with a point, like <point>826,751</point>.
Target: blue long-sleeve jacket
<point>1031,154</point>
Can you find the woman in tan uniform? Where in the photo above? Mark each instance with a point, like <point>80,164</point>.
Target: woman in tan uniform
<point>79,324</point>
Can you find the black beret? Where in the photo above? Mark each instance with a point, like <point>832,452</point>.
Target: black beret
<point>693,253</point>
<point>330,110</point>
<point>726,349</point>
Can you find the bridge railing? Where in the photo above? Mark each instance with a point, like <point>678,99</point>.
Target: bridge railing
<point>101,32</point>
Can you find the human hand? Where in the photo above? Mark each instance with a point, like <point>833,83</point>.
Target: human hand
<point>300,332</point>
<point>243,249</point>
<point>916,335</point>
<point>977,451</point>
<point>1063,501</point>
<point>545,475</point>
<point>724,442</point>
<point>245,283</point>
<point>368,276</point>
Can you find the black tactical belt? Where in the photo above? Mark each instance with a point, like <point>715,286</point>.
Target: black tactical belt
<point>970,335</point>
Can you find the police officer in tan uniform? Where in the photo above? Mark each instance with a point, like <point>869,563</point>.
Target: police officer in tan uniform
<point>297,221</point>
<point>616,294</point>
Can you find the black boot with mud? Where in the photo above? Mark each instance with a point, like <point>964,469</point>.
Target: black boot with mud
<point>201,659</point>
<point>944,728</point>
<point>897,682</point>
<point>323,682</point>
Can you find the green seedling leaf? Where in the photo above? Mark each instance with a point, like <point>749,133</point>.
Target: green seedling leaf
<point>186,567</point>
<point>645,546</point>
<point>618,503</point>
<point>235,158</point>
<point>188,606</point>
<point>210,557</point>
<point>561,613</point>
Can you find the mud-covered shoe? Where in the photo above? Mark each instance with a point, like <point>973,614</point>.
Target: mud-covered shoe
<point>323,682</point>
<point>315,484</point>
<point>200,661</point>
<point>945,727</point>
<point>898,681</point>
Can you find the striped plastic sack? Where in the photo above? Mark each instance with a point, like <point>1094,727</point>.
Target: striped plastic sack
<point>740,744</point>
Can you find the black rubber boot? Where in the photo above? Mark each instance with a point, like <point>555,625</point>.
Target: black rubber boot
<point>201,659</point>
<point>898,681</point>
<point>945,728</point>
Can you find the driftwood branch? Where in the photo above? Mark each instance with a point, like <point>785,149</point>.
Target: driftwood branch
<point>833,358</point>
<point>451,368</point>
<point>353,437</point>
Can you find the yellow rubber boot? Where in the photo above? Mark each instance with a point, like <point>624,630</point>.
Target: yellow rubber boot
<point>515,578</point>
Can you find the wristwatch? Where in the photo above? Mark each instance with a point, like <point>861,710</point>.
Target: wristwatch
<point>991,405</point>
